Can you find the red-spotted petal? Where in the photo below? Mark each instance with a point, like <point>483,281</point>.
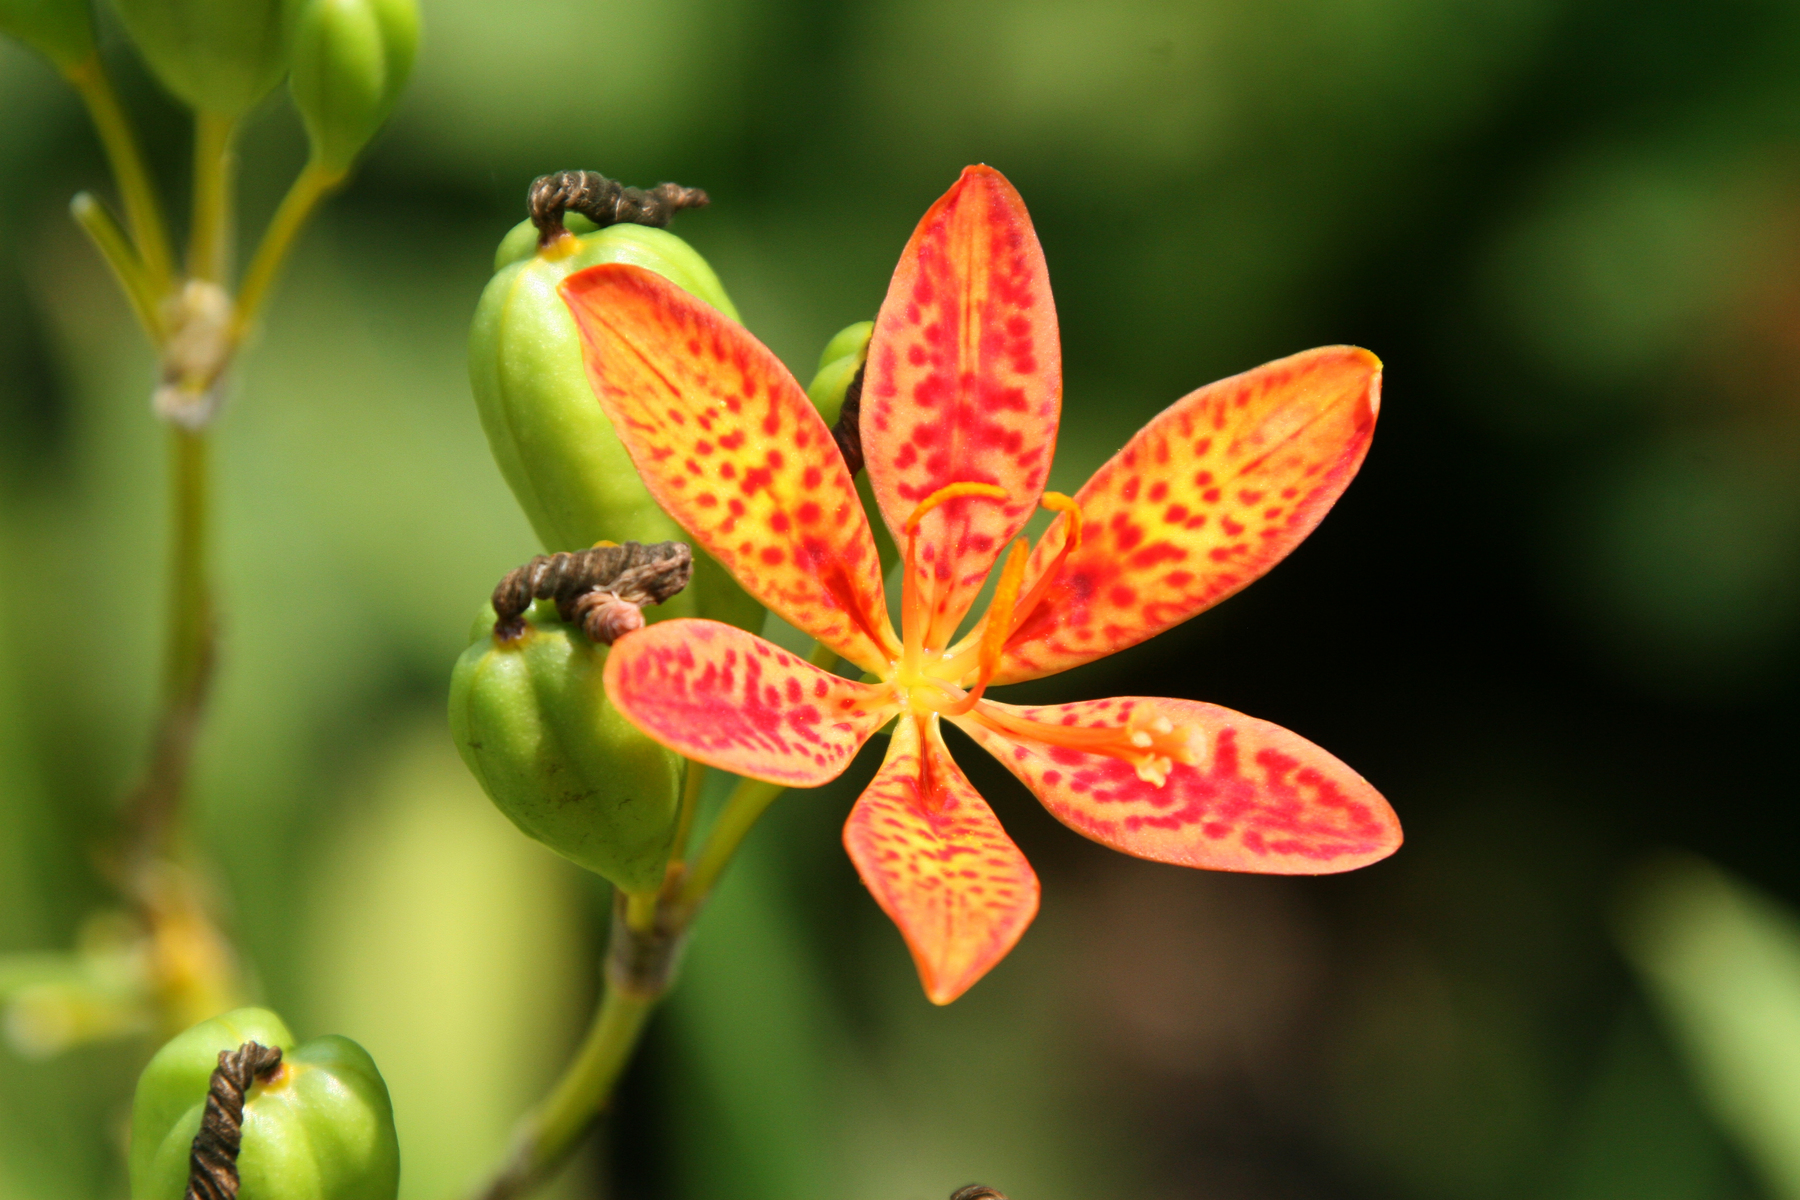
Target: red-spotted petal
<point>934,855</point>
<point>1204,499</point>
<point>731,700</point>
<point>1255,797</point>
<point>964,385</point>
<point>729,445</point>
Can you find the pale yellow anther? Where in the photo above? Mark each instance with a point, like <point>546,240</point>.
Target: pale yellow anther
<point>950,492</point>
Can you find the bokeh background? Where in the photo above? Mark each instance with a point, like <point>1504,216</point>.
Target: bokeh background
<point>1555,619</point>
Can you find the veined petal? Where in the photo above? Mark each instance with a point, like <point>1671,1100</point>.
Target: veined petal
<point>729,445</point>
<point>1204,499</point>
<point>1255,797</point>
<point>731,700</point>
<point>964,385</point>
<point>934,855</point>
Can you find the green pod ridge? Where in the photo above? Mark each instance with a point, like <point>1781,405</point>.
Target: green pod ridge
<point>60,30</point>
<point>216,56</point>
<point>531,719</point>
<point>320,1128</point>
<point>350,62</point>
<point>554,445</point>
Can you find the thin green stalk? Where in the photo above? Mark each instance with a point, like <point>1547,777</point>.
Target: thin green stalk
<point>209,237</point>
<point>748,801</point>
<point>148,233</point>
<point>691,786</point>
<point>188,647</point>
<point>554,1129</point>
<point>134,279</point>
<point>653,928</point>
<point>312,184</point>
<point>640,911</point>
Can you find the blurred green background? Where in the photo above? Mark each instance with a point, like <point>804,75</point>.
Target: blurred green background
<point>1555,620</point>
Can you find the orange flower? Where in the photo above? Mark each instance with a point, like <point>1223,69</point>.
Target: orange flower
<point>959,413</point>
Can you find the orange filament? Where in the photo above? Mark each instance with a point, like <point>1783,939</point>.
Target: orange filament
<point>998,626</point>
<point>912,620</point>
<point>1148,740</point>
<point>992,491</point>
<point>1057,502</point>
<point>1015,616</point>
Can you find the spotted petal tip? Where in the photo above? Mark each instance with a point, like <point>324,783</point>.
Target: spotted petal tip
<point>939,864</point>
<point>963,385</point>
<point>1206,498</point>
<point>1252,797</point>
<point>732,700</point>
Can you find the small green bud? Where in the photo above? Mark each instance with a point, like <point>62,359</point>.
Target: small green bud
<point>844,356</point>
<point>552,442</point>
<point>531,718</point>
<point>60,30</point>
<point>319,1127</point>
<point>351,59</point>
<point>217,56</point>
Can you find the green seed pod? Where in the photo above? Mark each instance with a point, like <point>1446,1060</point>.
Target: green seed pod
<point>217,56</point>
<point>554,446</point>
<point>60,30</point>
<point>318,1127</point>
<point>351,59</point>
<point>844,356</point>
<point>531,718</point>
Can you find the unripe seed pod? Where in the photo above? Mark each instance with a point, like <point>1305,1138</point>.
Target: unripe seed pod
<point>844,356</point>
<point>318,1126</point>
<point>60,30</point>
<point>553,444</point>
<point>836,392</point>
<point>217,56</point>
<point>531,718</point>
<point>351,60</point>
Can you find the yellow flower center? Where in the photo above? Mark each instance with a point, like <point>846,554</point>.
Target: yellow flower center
<point>931,681</point>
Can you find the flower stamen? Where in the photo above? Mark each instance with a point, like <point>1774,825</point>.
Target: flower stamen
<point>998,626</point>
<point>1148,740</point>
<point>912,618</point>
<point>984,634</point>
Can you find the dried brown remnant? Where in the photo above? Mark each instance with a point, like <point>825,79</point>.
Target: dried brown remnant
<point>977,1191</point>
<point>601,590</point>
<point>847,433</point>
<point>604,202</point>
<point>212,1162</point>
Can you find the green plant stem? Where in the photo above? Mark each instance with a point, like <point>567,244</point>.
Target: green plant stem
<point>554,1129</point>
<point>148,233</point>
<point>188,649</point>
<point>660,923</point>
<point>748,801</point>
<point>134,280</point>
<point>209,237</point>
<point>312,185</point>
<point>692,784</point>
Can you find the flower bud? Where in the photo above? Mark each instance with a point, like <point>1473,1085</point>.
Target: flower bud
<point>317,1127</point>
<point>554,446</point>
<point>844,356</point>
<point>60,30</point>
<point>218,56</point>
<point>531,718</point>
<point>351,59</point>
